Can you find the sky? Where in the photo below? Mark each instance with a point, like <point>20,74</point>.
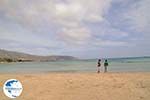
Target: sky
<point>80,28</point>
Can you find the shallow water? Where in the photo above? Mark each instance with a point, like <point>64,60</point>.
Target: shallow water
<point>115,65</point>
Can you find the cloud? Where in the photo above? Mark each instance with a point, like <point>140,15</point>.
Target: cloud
<point>139,16</point>
<point>132,18</point>
<point>67,16</point>
<point>76,27</point>
<point>108,43</point>
<point>79,10</point>
<point>77,35</point>
<point>22,40</point>
<point>132,15</point>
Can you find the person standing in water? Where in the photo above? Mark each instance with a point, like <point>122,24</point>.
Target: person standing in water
<point>98,66</point>
<point>105,65</point>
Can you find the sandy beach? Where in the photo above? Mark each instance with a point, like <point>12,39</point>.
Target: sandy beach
<point>81,86</point>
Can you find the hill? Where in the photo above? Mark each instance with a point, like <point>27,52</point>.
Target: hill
<point>10,56</point>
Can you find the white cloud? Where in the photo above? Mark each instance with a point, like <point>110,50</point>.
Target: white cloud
<point>78,35</point>
<point>139,16</point>
<point>23,37</point>
<point>111,43</point>
<point>69,15</point>
<point>80,23</point>
<point>79,10</point>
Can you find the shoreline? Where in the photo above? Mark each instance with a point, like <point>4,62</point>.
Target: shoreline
<point>81,86</point>
<point>73,72</point>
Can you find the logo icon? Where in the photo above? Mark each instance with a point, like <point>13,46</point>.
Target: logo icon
<point>12,88</point>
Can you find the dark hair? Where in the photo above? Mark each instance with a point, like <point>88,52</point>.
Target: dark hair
<point>99,59</point>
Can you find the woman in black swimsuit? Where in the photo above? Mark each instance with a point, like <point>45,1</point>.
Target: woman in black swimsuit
<point>98,65</point>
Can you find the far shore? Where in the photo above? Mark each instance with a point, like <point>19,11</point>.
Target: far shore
<point>81,86</point>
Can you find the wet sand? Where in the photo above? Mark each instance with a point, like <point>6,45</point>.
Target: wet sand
<point>81,86</point>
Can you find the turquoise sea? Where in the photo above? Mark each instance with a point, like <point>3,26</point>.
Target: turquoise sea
<point>115,65</point>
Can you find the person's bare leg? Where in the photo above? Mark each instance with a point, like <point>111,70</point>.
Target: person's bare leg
<point>105,69</point>
<point>98,70</point>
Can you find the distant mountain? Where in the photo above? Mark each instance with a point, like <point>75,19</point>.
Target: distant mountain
<point>10,56</point>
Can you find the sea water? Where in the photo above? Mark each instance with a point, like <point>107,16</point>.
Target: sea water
<point>115,65</point>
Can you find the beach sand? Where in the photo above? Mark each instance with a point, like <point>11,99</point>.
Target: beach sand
<point>81,86</point>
